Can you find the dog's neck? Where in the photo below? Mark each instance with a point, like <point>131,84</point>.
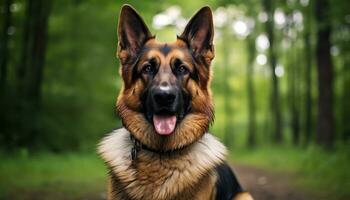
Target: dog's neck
<point>138,146</point>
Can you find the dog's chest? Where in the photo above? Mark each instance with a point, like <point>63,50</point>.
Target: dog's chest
<point>152,177</point>
<point>185,175</point>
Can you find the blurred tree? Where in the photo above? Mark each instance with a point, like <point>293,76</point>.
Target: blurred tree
<point>340,51</point>
<point>35,47</point>
<point>30,68</point>
<point>250,90</point>
<point>293,74</point>
<point>251,53</point>
<point>325,128</point>
<point>308,72</point>
<point>227,91</point>
<point>272,57</point>
<point>346,100</point>
<point>292,82</point>
<point>22,66</point>
<point>4,45</point>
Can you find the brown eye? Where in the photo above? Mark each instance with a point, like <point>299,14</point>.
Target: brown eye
<point>147,69</point>
<point>182,69</point>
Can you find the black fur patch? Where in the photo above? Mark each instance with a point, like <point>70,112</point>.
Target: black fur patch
<point>227,185</point>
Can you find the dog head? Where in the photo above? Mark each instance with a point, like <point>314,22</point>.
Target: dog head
<point>165,101</point>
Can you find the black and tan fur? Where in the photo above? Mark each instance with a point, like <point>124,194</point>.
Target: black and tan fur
<point>189,163</point>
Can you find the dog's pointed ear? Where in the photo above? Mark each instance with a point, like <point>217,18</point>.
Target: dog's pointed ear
<point>132,33</point>
<point>199,33</point>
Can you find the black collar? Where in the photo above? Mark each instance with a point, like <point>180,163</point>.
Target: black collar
<point>138,146</point>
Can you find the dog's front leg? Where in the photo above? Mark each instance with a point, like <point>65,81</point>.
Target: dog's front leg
<point>243,196</point>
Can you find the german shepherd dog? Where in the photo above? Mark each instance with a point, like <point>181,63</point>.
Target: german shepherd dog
<point>163,151</point>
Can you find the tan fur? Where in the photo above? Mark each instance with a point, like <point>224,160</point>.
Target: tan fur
<point>192,127</point>
<point>243,196</point>
<point>165,176</point>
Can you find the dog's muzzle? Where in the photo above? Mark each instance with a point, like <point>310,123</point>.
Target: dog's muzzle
<point>166,105</point>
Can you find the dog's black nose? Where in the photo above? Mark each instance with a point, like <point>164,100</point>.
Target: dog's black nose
<point>164,97</point>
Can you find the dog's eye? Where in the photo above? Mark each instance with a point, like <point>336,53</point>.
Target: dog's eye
<point>182,69</point>
<point>147,68</point>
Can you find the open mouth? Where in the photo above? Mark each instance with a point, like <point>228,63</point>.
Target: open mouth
<point>164,124</point>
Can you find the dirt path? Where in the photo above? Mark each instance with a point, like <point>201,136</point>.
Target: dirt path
<point>265,185</point>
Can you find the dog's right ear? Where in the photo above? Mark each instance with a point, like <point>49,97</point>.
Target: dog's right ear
<point>132,34</point>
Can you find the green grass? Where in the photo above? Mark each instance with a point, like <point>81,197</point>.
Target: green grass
<point>324,174</point>
<point>52,176</point>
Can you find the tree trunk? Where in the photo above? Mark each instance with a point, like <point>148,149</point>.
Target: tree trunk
<point>251,92</point>
<point>308,89</point>
<point>30,69</point>
<point>4,41</point>
<point>325,76</point>
<point>292,83</point>
<point>296,90</point>
<point>275,97</point>
<point>228,127</point>
<point>308,75</point>
<point>27,29</point>
<point>38,50</point>
<point>346,101</point>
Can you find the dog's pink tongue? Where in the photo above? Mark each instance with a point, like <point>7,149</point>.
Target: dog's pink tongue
<point>164,125</point>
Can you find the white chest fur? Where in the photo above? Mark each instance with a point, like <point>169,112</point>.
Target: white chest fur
<point>159,176</point>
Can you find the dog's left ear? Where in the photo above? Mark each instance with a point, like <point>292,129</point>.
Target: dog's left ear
<point>199,33</point>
